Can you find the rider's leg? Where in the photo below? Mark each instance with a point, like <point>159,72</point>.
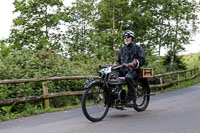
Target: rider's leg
<point>130,80</point>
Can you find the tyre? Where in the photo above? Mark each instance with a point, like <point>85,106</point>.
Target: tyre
<point>94,102</point>
<point>142,95</point>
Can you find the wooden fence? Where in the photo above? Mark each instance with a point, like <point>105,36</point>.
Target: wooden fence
<point>193,73</point>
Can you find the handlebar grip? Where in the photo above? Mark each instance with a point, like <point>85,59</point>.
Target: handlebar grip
<point>101,67</point>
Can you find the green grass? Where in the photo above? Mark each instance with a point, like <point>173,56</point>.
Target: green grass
<point>192,60</point>
<point>35,111</point>
<point>184,84</point>
<point>32,111</point>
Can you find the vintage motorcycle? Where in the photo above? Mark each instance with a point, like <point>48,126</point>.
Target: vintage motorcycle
<point>111,91</point>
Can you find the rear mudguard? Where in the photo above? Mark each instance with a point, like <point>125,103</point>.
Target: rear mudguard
<point>145,82</point>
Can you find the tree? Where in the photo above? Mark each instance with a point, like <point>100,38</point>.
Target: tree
<point>114,17</point>
<point>37,26</point>
<point>4,49</point>
<point>165,23</point>
<point>77,39</point>
<point>181,15</point>
<point>111,21</point>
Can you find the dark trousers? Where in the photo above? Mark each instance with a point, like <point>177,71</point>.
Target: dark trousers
<point>130,77</point>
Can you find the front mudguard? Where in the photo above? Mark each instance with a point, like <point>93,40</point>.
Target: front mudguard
<point>87,86</point>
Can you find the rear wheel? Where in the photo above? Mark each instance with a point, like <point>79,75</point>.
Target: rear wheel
<point>94,102</point>
<point>142,95</point>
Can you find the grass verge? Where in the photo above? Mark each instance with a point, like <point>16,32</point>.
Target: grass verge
<point>33,111</point>
<point>183,84</point>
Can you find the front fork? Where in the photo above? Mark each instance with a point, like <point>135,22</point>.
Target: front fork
<point>104,88</point>
<point>108,98</point>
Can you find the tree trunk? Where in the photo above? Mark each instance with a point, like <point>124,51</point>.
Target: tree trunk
<point>113,26</point>
<point>173,53</point>
<point>171,60</point>
<point>46,30</point>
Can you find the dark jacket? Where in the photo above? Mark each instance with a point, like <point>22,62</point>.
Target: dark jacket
<point>130,52</point>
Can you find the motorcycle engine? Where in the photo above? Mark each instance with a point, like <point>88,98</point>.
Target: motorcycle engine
<point>122,95</point>
<point>119,96</point>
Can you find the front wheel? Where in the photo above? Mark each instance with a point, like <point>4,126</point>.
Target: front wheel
<point>94,102</point>
<point>142,95</point>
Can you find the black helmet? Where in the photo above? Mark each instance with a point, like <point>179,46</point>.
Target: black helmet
<point>129,33</point>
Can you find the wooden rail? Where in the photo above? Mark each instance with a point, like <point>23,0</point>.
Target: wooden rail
<point>45,79</point>
<point>46,96</point>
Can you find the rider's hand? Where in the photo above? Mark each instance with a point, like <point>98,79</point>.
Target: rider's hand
<point>133,64</point>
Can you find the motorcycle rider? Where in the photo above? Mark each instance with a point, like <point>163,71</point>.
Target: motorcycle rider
<point>134,56</point>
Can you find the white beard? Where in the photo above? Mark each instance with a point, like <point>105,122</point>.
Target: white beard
<point>127,42</point>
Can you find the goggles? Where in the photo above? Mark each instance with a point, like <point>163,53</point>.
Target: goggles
<point>126,37</point>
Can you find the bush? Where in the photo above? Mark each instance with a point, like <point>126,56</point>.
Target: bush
<point>26,64</point>
<point>178,63</point>
<point>153,62</point>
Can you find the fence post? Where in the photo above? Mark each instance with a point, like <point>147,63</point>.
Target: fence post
<point>161,82</point>
<point>45,92</point>
<point>178,78</point>
<point>185,75</point>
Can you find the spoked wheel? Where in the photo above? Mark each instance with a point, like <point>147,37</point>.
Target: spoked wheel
<point>94,102</point>
<point>142,95</point>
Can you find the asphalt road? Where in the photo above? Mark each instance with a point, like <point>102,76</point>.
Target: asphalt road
<point>170,112</point>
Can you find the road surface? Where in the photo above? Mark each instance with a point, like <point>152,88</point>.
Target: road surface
<point>170,112</point>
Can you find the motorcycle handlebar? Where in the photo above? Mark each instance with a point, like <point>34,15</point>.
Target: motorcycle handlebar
<point>114,67</point>
<point>120,66</point>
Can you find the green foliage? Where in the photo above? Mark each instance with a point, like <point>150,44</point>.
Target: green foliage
<point>192,60</point>
<point>6,112</point>
<point>98,26</point>
<point>79,29</point>
<point>27,111</point>
<point>158,67</point>
<point>4,49</point>
<point>26,64</point>
<point>95,28</point>
<point>177,65</point>
<point>180,16</point>
<point>184,84</point>
<point>8,109</point>
<point>36,25</point>
<point>152,62</point>
<point>33,110</point>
